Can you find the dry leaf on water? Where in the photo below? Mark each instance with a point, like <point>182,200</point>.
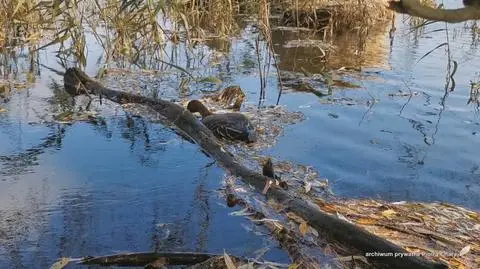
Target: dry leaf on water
<point>295,217</point>
<point>303,228</point>
<point>61,263</point>
<point>366,221</point>
<point>464,250</point>
<point>2,110</point>
<point>294,266</point>
<point>388,213</point>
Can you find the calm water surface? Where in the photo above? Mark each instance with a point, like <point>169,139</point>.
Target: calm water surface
<point>101,189</point>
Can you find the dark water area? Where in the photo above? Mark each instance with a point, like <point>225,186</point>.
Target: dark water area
<point>85,189</point>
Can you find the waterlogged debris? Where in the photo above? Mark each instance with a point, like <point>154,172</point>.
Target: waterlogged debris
<point>344,84</point>
<point>303,228</point>
<point>332,115</point>
<point>231,97</point>
<point>342,101</point>
<point>367,221</point>
<point>213,80</point>
<point>464,250</point>
<point>401,93</point>
<point>295,217</point>
<point>388,213</point>
<point>61,263</point>
<point>243,212</point>
<point>437,231</point>
<point>69,117</point>
<point>294,266</point>
<point>307,43</point>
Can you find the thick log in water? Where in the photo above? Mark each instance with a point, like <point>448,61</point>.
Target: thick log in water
<point>378,251</point>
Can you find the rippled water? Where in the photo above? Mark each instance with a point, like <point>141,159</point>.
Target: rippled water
<point>101,189</point>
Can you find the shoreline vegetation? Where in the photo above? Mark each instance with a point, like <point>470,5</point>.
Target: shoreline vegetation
<point>135,34</point>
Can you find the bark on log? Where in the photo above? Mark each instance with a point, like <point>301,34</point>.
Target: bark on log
<point>415,8</point>
<point>335,229</point>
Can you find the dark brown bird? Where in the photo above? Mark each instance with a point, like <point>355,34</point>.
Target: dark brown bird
<point>268,171</point>
<point>231,126</point>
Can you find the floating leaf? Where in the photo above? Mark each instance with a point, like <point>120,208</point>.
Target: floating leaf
<point>388,213</point>
<point>61,263</point>
<point>2,110</point>
<point>228,261</point>
<point>464,250</point>
<point>295,217</point>
<point>303,228</point>
<point>366,221</point>
<point>330,208</point>
<point>294,266</point>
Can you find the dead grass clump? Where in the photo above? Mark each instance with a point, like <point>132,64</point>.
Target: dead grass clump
<point>437,231</point>
<point>215,17</point>
<point>21,22</point>
<point>334,16</point>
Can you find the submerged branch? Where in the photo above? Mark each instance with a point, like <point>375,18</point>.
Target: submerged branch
<point>144,258</point>
<point>328,225</point>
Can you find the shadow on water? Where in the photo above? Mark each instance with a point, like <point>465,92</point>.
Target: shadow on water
<point>126,184</point>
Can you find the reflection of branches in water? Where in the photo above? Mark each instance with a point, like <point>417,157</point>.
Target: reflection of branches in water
<point>370,103</point>
<point>76,209</point>
<point>13,63</point>
<point>138,130</point>
<point>409,97</point>
<point>22,162</point>
<point>202,204</point>
<point>262,69</point>
<point>18,223</point>
<point>200,208</point>
<point>411,156</point>
<point>449,86</point>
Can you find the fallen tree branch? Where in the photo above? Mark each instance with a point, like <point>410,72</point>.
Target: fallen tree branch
<point>415,8</point>
<point>328,225</point>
